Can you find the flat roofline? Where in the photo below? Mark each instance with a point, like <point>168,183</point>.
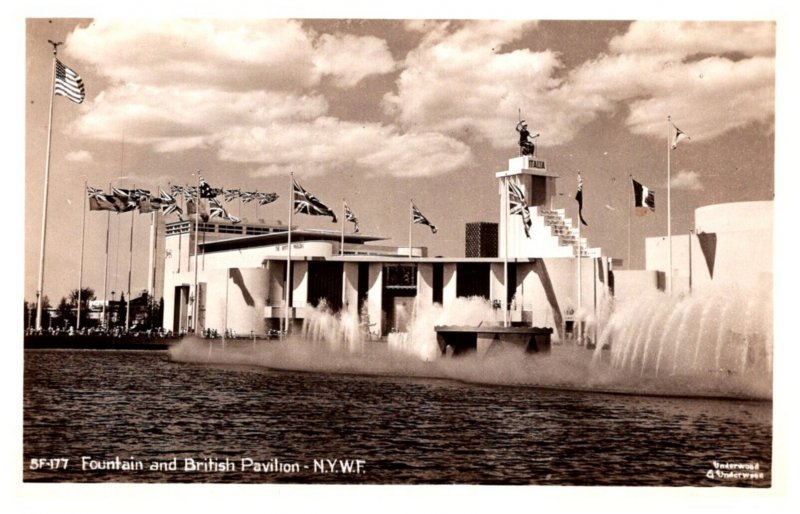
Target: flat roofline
<point>277,238</point>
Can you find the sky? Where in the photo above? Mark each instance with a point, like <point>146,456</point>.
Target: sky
<point>382,111</point>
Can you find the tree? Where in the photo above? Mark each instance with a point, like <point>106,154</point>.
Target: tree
<point>65,313</point>
<point>87,295</point>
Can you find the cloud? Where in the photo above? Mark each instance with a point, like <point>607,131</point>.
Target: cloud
<point>79,156</point>
<point>330,145</point>
<point>335,56</point>
<point>689,180</point>
<point>183,84</point>
<point>711,77</point>
<point>460,81</point>
<point>659,69</point>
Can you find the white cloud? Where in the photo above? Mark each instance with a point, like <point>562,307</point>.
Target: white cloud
<point>689,180</point>
<point>689,38</point>
<point>661,69</point>
<point>458,80</point>
<point>329,145</point>
<point>183,84</point>
<point>79,156</point>
<point>350,58</point>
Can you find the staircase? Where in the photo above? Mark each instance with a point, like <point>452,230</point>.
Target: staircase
<point>561,227</point>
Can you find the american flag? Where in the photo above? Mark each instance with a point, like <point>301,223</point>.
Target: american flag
<point>306,203</point>
<point>349,216</point>
<point>420,219</point>
<point>518,205</point>
<point>68,83</point>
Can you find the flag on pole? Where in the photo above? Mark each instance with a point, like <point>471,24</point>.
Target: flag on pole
<point>206,191</point>
<point>68,83</point>
<point>643,198</point>
<point>215,209</point>
<point>230,194</point>
<point>266,198</point>
<point>248,196</point>
<point>679,136</point>
<point>124,199</point>
<point>420,218</point>
<point>100,201</point>
<point>579,198</point>
<point>518,205</point>
<point>169,205</point>
<point>349,216</point>
<point>306,203</point>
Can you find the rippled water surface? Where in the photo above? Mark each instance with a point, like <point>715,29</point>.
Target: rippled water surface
<point>142,407</point>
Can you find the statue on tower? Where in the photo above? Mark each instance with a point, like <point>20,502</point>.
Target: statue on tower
<point>526,146</point>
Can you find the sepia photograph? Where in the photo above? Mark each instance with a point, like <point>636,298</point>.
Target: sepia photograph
<point>509,250</point>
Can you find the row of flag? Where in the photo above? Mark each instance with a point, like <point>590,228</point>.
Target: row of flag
<point>126,200</point>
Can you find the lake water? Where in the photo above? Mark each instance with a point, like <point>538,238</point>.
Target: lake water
<point>109,416</point>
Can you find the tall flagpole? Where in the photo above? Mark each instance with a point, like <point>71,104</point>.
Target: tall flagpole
<point>289,255</point>
<point>630,208</point>
<point>341,246</point>
<point>130,269</point>
<point>151,259</point>
<point>410,223</point>
<point>40,284</point>
<point>196,197</point>
<point>156,218</point>
<point>105,273</point>
<point>669,210</point>
<point>580,280</point>
<point>80,271</point>
<point>505,252</point>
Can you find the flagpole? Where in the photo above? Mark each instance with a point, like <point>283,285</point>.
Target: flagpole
<point>669,210</point>
<point>630,208</point>
<point>151,259</point>
<point>341,246</point>
<point>155,248</point>
<point>196,197</point>
<point>410,223</point>
<point>289,254</point>
<point>105,273</point>
<point>80,271</point>
<point>505,252</point>
<point>580,280</point>
<point>130,268</point>
<point>39,289</point>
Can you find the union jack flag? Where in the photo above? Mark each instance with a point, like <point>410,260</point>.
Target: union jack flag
<point>349,216</point>
<point>518,205</point>
<point>217,210</point>
<point>124,199</point>
<point>420,219</point>
<point>100,201</point>
<point>230,194</point>
<point>306,203</point>
<point>266,198</point>
<point>248,196</point>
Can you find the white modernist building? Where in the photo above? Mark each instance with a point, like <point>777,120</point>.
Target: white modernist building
<point>224,277</point>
